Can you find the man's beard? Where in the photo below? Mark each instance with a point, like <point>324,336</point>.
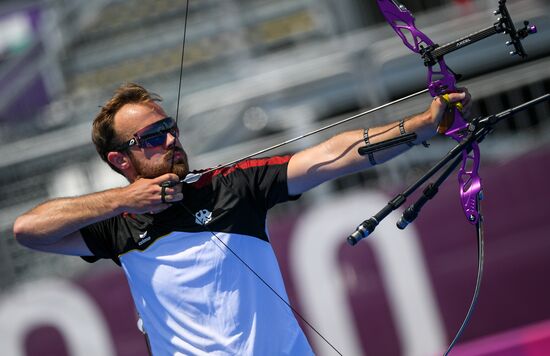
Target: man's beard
<point>148,170</point>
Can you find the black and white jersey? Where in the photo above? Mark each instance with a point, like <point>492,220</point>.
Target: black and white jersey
<point>194,294</point>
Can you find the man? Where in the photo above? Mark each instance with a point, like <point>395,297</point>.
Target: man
<point>197,256</point>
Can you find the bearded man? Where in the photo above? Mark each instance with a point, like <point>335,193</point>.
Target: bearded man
<point>197,256</point>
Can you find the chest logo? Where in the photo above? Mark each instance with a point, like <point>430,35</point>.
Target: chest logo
<point>203,217</point>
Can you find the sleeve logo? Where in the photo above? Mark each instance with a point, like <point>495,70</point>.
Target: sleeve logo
<point>143,238</point>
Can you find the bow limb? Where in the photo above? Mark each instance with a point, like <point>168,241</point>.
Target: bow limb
<point>441,80</point>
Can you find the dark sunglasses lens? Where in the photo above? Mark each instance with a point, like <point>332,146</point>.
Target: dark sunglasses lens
<point>155,135</point>
<point>153,141</point>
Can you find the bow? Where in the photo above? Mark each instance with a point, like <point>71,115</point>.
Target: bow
<point>442,80</point>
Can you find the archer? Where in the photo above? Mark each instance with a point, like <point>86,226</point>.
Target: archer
<point>197,255</point>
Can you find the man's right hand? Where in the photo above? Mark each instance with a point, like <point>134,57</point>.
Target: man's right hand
<point>145,195</point>
<point>54,225</point>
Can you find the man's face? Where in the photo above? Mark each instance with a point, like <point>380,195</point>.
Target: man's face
<point>149,162</point>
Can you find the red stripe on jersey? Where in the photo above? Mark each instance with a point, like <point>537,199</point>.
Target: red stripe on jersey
<point>271,161</point>
<point>251,163</point>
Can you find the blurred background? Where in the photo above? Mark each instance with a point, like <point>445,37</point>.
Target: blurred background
<point>255,73</point>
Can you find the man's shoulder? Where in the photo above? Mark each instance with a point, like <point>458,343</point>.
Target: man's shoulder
<point>200,178</point>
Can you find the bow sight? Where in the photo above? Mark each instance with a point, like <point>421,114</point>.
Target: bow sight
<point>433,53</point>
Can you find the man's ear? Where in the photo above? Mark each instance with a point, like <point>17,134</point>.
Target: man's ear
<point>119,160</point>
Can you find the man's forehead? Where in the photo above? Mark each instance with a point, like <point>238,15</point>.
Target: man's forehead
<point>132,117</point>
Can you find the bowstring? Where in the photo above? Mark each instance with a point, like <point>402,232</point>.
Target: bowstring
<point>180,79</point>
<point>212,232</point>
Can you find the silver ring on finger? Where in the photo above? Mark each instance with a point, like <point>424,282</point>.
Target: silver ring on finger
<point>163,195</point>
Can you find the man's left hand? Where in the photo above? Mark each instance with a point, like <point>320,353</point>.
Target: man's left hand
<point>441,109</point>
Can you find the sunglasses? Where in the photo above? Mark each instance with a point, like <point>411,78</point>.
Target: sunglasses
<point>153,135</point>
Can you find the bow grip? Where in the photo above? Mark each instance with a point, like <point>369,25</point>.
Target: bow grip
<point>449,116</point>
